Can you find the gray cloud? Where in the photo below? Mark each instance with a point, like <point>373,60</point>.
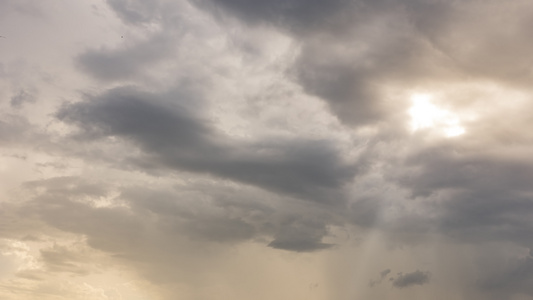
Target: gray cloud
<point>382,275</point>
<point>63,259</point>
<point>516,278</point>
<point>176,187</point>
<point>300,234</point>
<point>22,7</point>
<point>295,15</point>
<point>22,97</point>
<point>299,245</point>
<point>488,216</point>
<point>346,77</point>
<point>173,137</point>
<point>165,233</point>
<point>352,50</point>
<point>135,12</point>
<point>470,194</point>
<point>446,167</point>
<point>410,279</point>
<point>15,129</point>
<point>230,219</point>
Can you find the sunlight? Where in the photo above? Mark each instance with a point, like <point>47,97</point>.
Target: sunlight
<point>426,115</point>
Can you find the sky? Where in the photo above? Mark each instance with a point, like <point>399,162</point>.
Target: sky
<point>283,149</point>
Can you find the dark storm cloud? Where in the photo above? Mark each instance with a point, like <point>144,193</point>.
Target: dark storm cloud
<point>300,234</point>
<point>174,137</point>
<point>410,279</point>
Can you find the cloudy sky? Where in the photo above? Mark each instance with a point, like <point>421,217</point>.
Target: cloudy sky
<point>283,149</point>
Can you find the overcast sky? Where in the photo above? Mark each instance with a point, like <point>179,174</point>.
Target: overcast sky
<point>282,149</point>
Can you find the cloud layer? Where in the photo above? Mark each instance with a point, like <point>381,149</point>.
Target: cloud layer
<point>185,149</point>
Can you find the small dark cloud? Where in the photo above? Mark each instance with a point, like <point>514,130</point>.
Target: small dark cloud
<point>410,279</point>
<point>384,273</point>
<point>22,97</point>
<point>299,245</point>
<point>300,234</point>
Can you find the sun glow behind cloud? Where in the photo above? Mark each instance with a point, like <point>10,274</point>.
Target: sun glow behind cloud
<point>426,115</point>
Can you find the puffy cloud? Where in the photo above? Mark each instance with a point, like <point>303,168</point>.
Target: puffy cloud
<point>171,136</point>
